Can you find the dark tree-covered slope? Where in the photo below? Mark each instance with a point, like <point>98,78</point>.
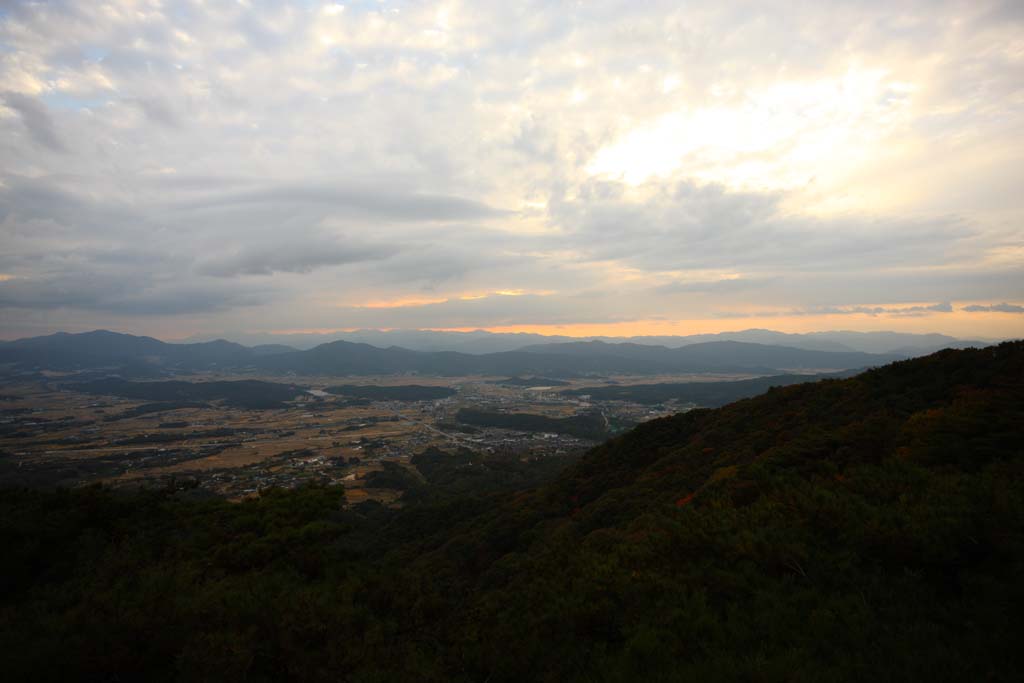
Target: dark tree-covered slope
<point>586,426</point>
<point>869,528</point>
<point>720,355</point>
<point>404,392</point>
<point>704,394</point>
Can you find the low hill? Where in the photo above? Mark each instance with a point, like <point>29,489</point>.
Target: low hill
<point>404,392</point>
<point>271,349</point>
<point>704,394</point>
<point>480,341</point>
<point>347,358</point>
<point>102,348</point>
<point>721,356</point>
<point>869,528</point>
<point>566,360</point>
<point>531,382</point>
<point>241,393</point>
<point>587,426</point>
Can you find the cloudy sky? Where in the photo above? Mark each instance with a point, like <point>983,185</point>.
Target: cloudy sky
<point>190,168</point>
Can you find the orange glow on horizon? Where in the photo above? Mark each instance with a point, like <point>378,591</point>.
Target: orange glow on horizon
<point>408,302</point>
<point>417,301</point>
<point>959,324</point>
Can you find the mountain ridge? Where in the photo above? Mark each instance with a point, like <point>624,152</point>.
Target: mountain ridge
<point>102,348</point>
<point>482,341</point>
<point>738,353</point>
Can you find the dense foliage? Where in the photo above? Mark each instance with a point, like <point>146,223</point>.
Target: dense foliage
<point>718,356</point>
<point>248,393</point>
<point>585,426</point>
<point>705,394</point>
<point>531,382</point>
<point>403,392</point>
<point>862,529</point>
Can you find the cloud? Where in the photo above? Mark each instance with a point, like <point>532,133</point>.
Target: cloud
<point>278,164</point>
<point>486,310</point>
<point>159,111</point>
<point>368,201</point>
<point>36,119</point>
<point>103,293</point>
<point>944,307</point>
<point>684,224</point>
<point>736,284</point>
<point>291,258</point>
<point>994,308</point>
<point>873,311</point>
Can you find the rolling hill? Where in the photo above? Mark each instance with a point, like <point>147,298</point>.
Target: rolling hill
<point>240,393</point>
<point>105,349</point>
<point>347,358</point>
<point>481,341</point>
<point>704,394</point>
<point>566,360</point>
<point>721,356</point>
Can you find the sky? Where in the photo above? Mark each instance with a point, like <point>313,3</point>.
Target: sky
<point>196,168</point>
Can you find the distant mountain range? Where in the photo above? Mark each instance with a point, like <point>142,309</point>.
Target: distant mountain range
<point>102,348</point>
<point>130,355</point>
<point>721,355</point>
<point>481,341</point>
<point>565,360</point>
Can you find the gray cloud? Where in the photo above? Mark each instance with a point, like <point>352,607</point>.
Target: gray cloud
<point>368,201</point>
<point>36,119</point>
<point>944,307</point>
<point>687,225</point>
<point>994,308</point>
<point>126,296</point>
<point>493,309</point>
<point>291,258</point>
<point>711,286</point>
<point>159,111</point>
<point>873,311</point>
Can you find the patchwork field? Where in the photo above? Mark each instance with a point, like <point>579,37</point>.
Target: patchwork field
<point>233,435</point>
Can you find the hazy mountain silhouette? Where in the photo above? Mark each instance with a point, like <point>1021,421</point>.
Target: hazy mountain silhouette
<point>721,355</point>
<point>481,341</point>
<point>136,355</point>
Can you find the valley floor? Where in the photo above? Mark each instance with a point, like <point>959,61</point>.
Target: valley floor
<point>51,434</point>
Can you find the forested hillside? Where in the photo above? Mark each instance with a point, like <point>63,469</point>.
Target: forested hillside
<point>585,426</point>
<point>869,528</point>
